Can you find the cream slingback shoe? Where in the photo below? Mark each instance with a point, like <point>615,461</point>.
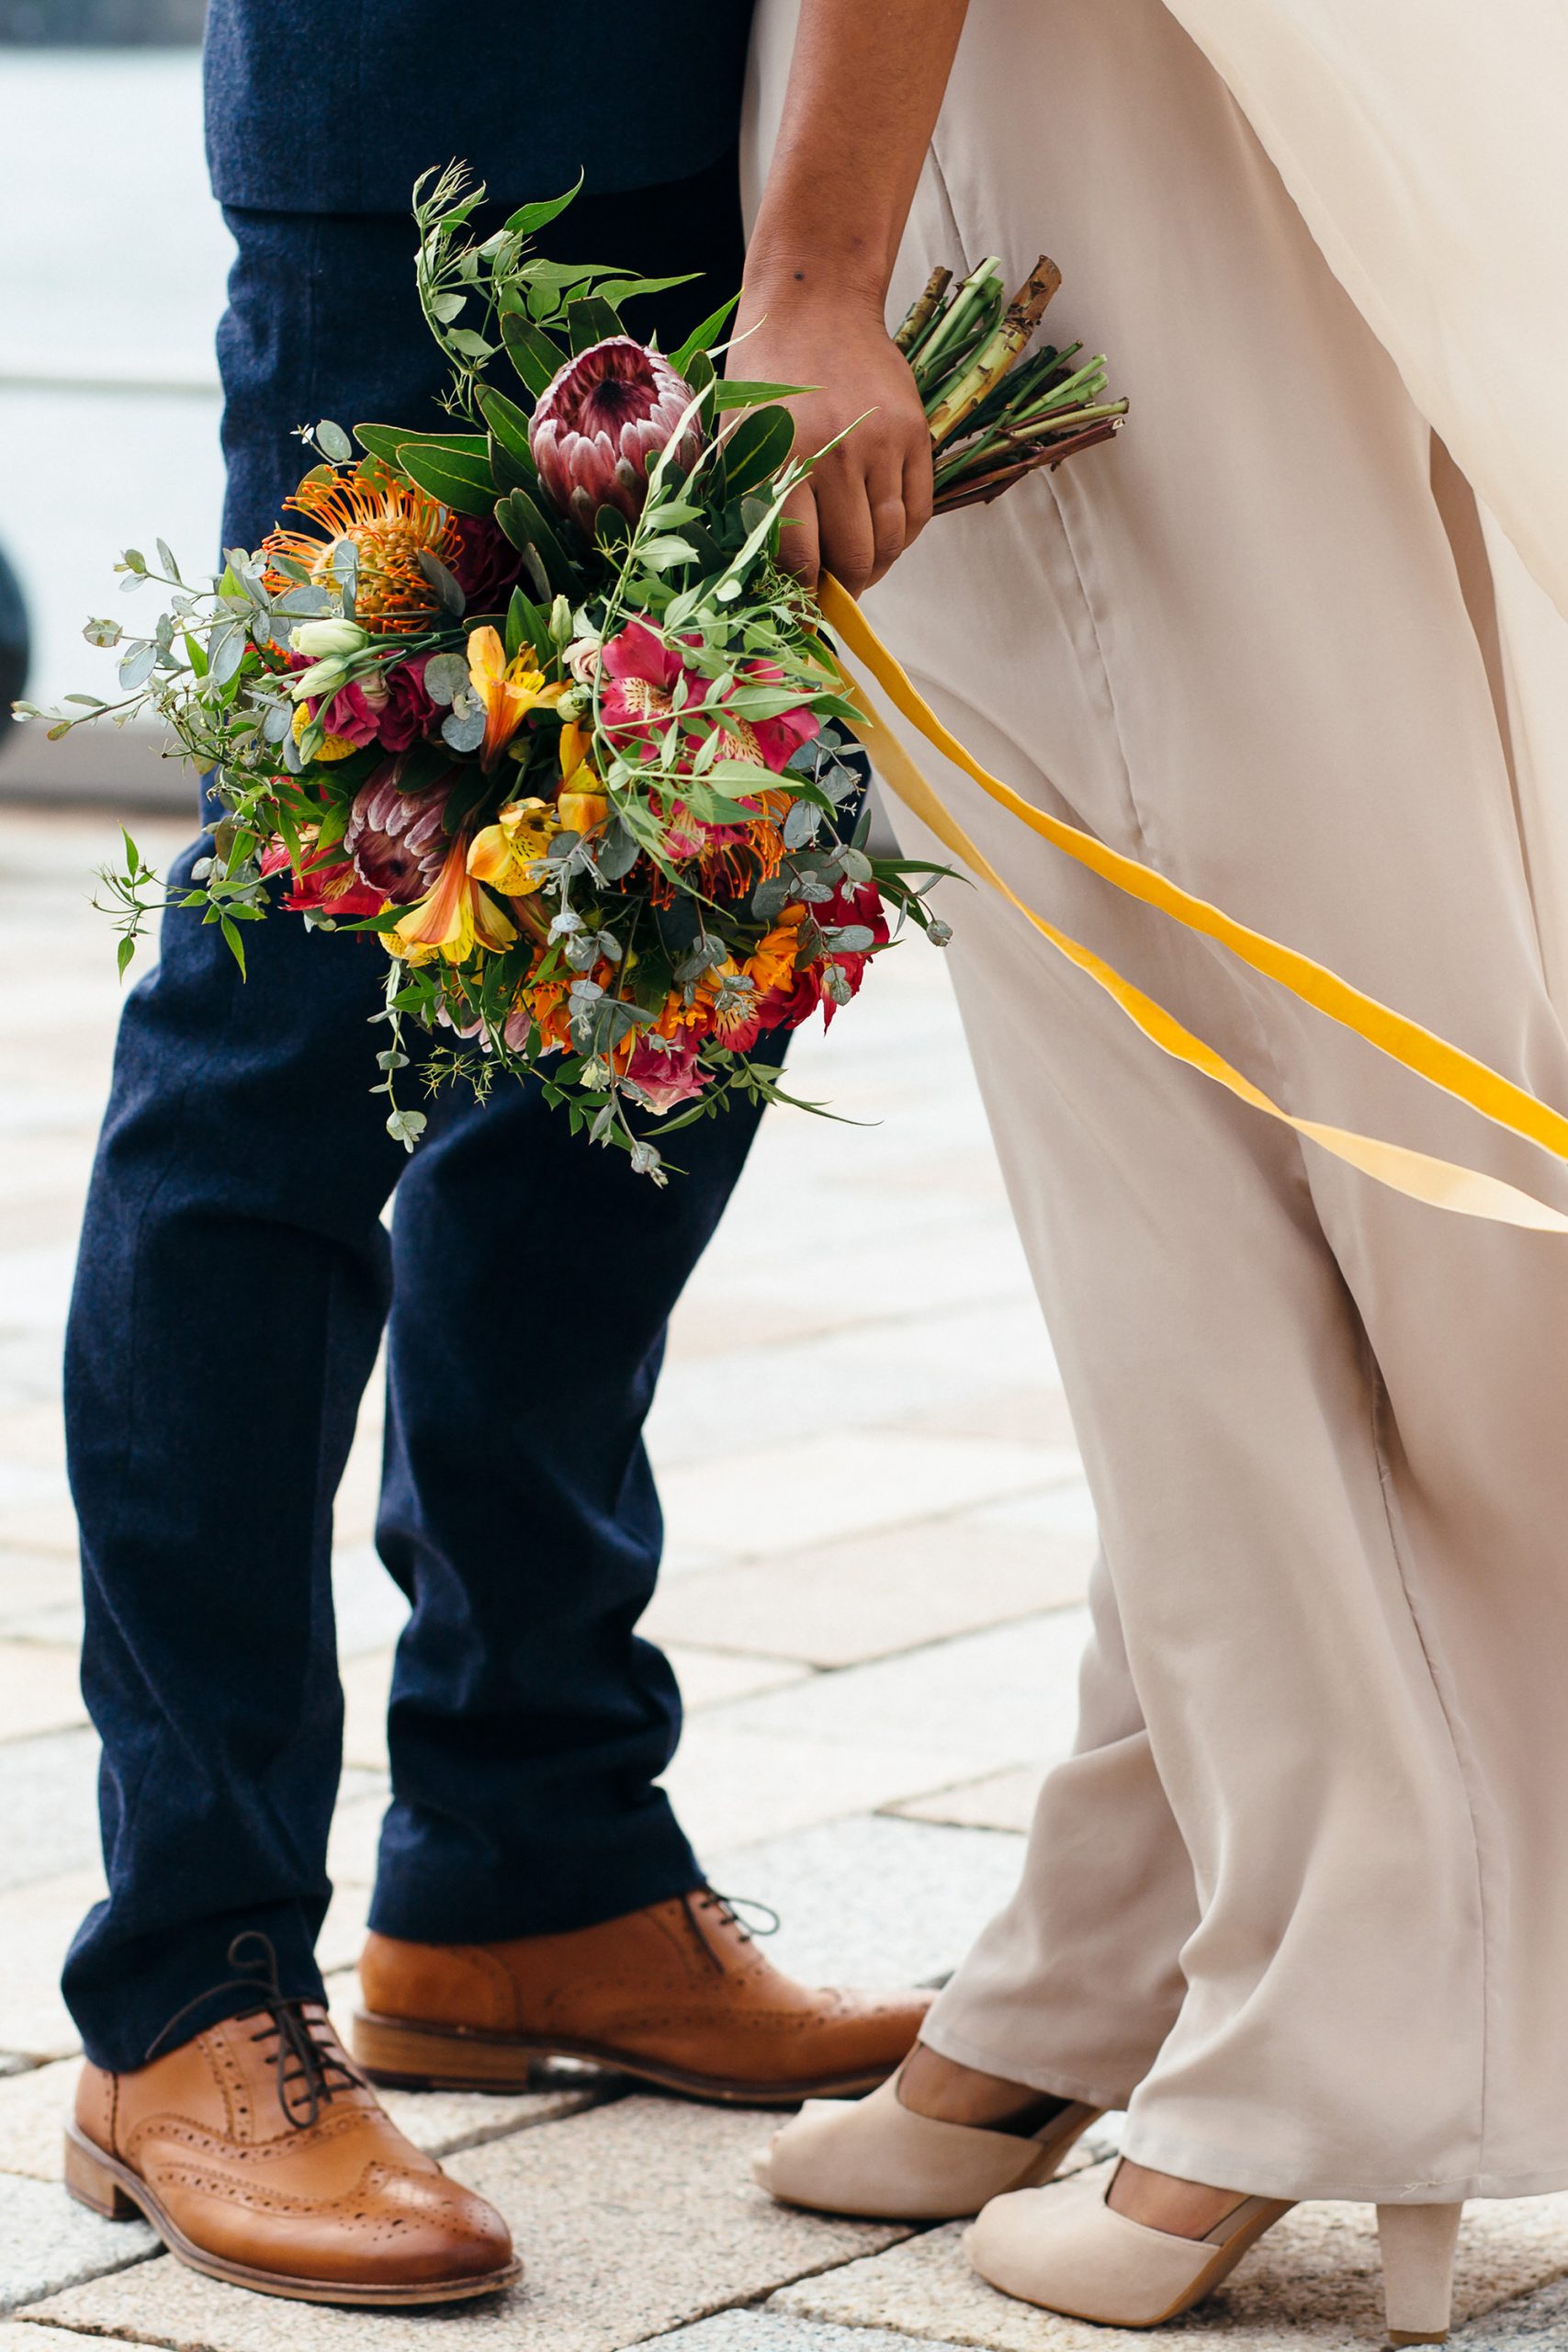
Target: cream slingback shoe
<point>877,2158</point>
<point>1066,2250</point>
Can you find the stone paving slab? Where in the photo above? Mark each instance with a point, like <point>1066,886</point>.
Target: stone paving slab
<point>632,2220</point>
<point>1314,2281</point>
<point>1001,1697</point>
<point>1537,2323</point>
<point>843,1604</point>
<point>997,1800</point>
<point>872,1901</point>
<point>771,2331</point>
<point>733,1781</point>
<point>37,1923</point>
<point>842,1483</point>
<point>902,1366</point>
<point>49,1805</point>
<point>41,1689</point>
<point>48,2242</point>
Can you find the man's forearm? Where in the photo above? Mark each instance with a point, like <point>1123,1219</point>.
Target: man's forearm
<point>865,85</point>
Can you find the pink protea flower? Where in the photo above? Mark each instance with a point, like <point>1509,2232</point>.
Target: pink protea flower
<point>599,422</point>
<point>395,841</point>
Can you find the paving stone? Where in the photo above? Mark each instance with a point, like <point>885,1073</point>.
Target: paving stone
<point>632,2220</point>
<point>48,2242</point>
<point>710,1678</point>
<point>49,1804</point>
<point>33,2108</point>
<point>21,2335</point>
<point>1312,2282</point>
<point>828,1488</point>
<point>731,1782</point>
<point>997,1800</point>
<point>1001,1697</point>
<point>37,1923</point>
<point>39,1689</point>
<point>899,1589</point>
<point>1535,2323</point>
<point>770,2330</point>
<point>31,1580</point>
<point>763,1391</point>
<point>875,1901</point>
<point>371,1611</point>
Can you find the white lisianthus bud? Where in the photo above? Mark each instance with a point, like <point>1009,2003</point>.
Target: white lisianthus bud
<point>320,678</point>
<point>319,638</point>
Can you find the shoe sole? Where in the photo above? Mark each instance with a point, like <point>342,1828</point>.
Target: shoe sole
<point>108,2187</point>
<point>397,2056</point>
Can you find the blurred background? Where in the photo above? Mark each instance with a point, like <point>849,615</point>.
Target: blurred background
<point>114,256</point>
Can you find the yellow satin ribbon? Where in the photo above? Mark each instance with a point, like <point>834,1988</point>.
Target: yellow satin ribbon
<point>1441,1183</point>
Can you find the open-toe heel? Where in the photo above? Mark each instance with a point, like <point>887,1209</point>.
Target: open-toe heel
<point>876,2157</point>
<point>1418,2243</point>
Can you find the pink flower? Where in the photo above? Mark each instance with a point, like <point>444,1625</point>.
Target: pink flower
<point>852,903</point>
<point>391,710</point>
<point>641,670</point>
<point>601,422</point>
<point>667,1075</point>
<point>329,883</point>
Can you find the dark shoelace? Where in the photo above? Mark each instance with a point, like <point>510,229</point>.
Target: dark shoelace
<point>309,2071</point>
<point>765,1920</point>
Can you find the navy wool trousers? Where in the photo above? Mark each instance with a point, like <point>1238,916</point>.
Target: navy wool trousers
<point>234,1279</point>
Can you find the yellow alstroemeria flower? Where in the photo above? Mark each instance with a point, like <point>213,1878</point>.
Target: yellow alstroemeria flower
<point>509,691</point>
<point>506,854</point>
<point>453,918</point>
<point>582,803</point>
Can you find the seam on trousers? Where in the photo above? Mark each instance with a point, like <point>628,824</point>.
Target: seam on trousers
<point>1380,1414</point>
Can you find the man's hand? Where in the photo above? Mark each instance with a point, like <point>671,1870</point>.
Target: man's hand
<point>870,496</point>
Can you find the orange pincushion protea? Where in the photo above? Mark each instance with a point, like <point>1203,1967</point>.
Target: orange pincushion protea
<point>388,521</point>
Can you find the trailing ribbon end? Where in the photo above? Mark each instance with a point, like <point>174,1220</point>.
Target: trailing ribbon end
<point>1441,1183</point>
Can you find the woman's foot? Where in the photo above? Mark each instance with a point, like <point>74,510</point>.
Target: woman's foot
<point>941,2088</point>
<point>1183,2209</point>
<point>935,2143</point>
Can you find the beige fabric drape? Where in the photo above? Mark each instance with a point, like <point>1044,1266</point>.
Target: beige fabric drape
<point>1423,141</point>
<point>1302,1891</point>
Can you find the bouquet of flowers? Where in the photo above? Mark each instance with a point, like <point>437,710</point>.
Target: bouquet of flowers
<point>534,702</point>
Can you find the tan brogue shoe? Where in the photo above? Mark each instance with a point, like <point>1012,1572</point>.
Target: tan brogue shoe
<point>261,2156</point>
<point>677,1995</point>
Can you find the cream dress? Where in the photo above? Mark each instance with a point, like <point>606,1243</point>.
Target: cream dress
<point>1300,1895</point>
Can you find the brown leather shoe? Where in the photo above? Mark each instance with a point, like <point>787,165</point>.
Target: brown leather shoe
<point>677,1995</point>
<point>260,2156</point>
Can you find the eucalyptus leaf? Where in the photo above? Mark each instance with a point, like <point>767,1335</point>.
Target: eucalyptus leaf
<point>333,442</point>
<point>137,666</point>
<point>446,677</point>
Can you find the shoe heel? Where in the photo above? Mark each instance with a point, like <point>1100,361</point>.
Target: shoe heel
<point>400,2056</point>
<point>92,2184</point>
<point>1418,2243</point>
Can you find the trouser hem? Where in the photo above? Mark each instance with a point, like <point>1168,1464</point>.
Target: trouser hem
<point>131,2009</point>
<point>1233,2166</point>
<point>608,1872</point>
